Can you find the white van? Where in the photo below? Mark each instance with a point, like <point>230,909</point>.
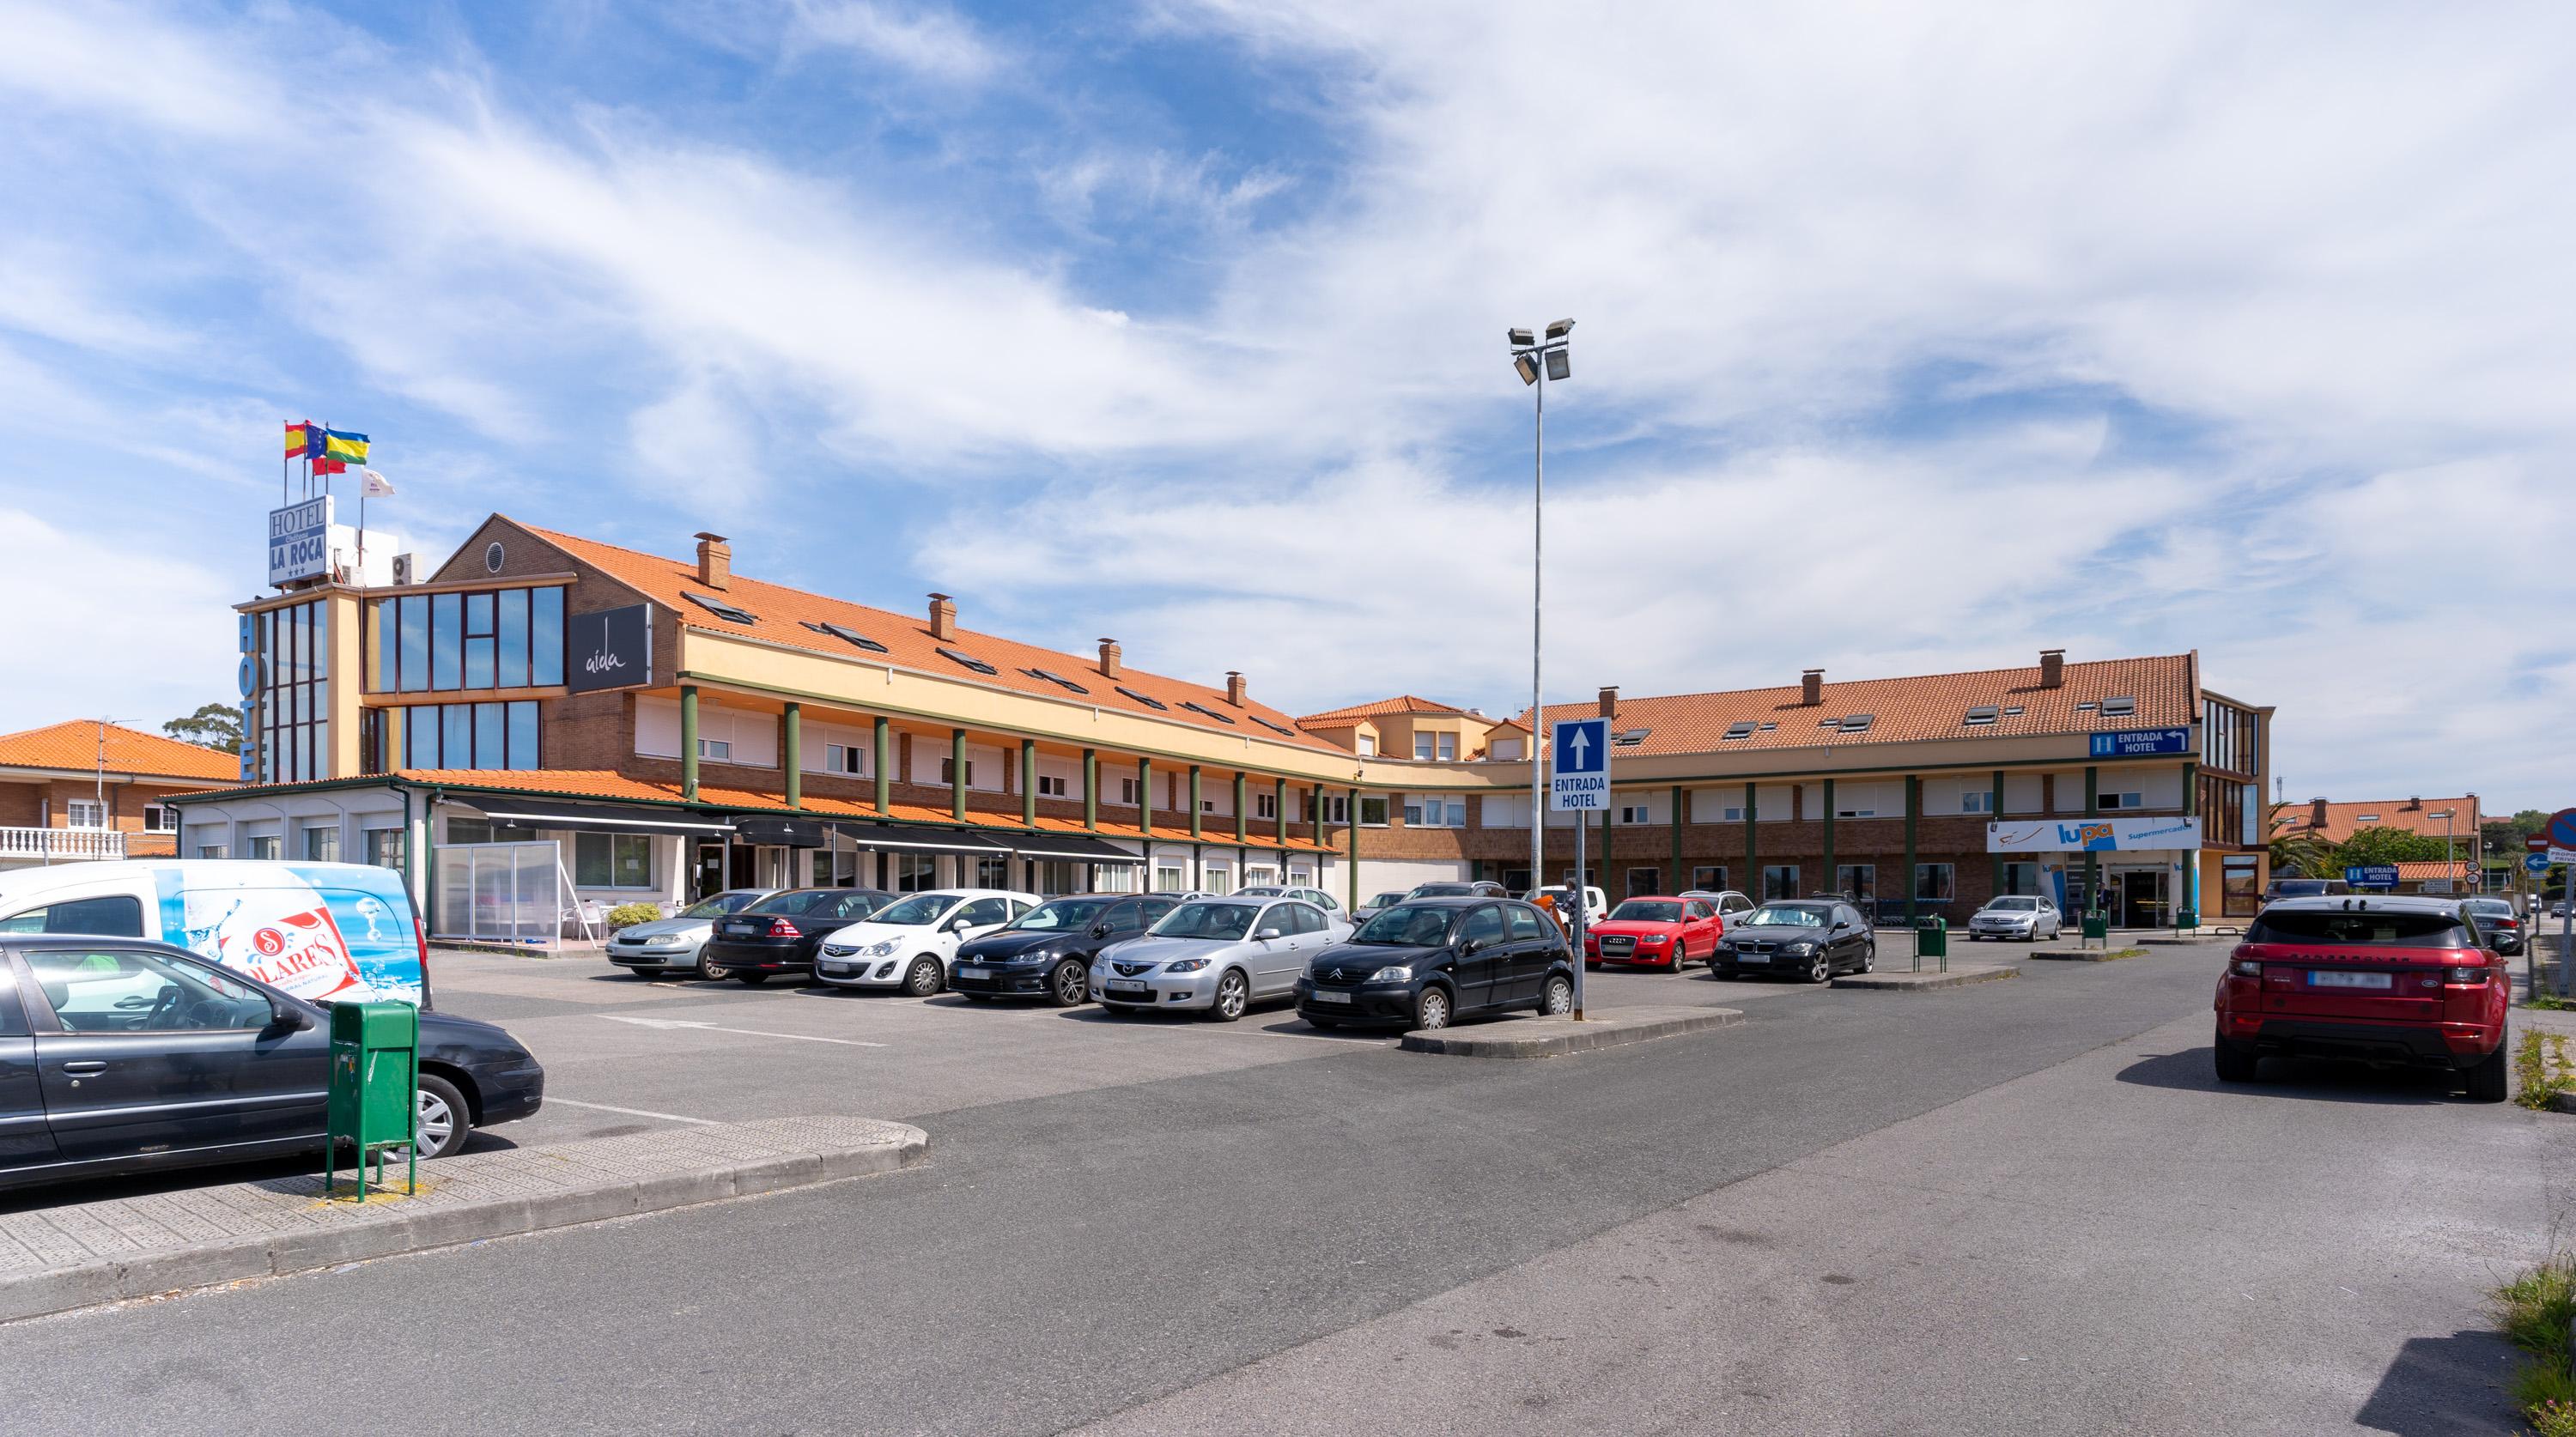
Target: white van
<point>324,932</point>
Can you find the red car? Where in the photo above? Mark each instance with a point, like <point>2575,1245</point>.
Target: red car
<point>2399,982</point>
<point>1654,932</point>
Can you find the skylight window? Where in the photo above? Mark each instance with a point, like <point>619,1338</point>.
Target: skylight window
<point>969,660</point>
<point>1980,716</point>
<point>1631,738</point>
<point>1281,729</point>
<point>1829,723</point>
<point>1741,729</point>
<point>1199,708</point>
<point>1057,679</point>
<point>2365,818</point>
<point>2010,710</point>
<point>1859,723</point>
<point>1152,703</point>
<point>848,636</point>
<point>1768,727</point>
<point>2125,704</point>
<point>719,608</point>
<point>2086,706</point>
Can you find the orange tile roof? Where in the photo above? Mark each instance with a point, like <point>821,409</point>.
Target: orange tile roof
<point>2436,868</point>
<point>2343,820</point>
<point>781,613</point>
<point>74,744</point>
<point>1929,706</point>
<point>1400,704</point>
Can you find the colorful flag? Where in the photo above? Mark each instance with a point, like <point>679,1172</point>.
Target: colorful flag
<point>377,486</point>
<point>346,448</point>
<point>329,466</point>
<point>313,439</point>
<point>297,446</point>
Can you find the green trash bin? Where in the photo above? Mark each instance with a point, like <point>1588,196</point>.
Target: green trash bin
<point>375,1075</point>
<point>2097,926</point>
<point>1932,940</point>
<point>2186,918</point>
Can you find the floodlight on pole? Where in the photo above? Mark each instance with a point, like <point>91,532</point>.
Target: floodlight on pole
<point>1558,366</point>
<point>1534,361</point>
<point>1518,337</point>
<point>1560,329</point>
<point>1528,368</point>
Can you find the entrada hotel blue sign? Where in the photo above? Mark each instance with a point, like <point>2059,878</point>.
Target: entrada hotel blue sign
<point>2141,742</point>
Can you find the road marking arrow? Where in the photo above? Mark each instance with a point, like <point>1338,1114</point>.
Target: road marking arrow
<point>746,1032</point>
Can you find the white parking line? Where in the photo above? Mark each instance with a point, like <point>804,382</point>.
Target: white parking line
<point>746,1032</point>
<point>632,1112</point>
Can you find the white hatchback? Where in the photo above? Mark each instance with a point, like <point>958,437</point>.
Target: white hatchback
<point>910,942</point>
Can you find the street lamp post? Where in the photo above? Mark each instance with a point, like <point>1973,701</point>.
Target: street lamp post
<point>1538,361</point>
<point>2450,861</point>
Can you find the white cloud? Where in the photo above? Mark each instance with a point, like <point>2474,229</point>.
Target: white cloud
<point>930,41</point>
<point>139,638</point>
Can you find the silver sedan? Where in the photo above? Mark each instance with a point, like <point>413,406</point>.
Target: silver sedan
<point>668,945</point>
<point>1215,956</point>
<point>2026,918</point>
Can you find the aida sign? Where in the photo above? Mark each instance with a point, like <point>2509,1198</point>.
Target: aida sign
<point>609,649</point>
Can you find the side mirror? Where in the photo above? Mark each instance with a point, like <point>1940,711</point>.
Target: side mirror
<point>1099,930</point>
<point>1270,931</point>
<point>287,1016</point>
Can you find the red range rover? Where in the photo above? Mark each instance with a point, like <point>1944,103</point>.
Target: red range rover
<point>2393,981</point>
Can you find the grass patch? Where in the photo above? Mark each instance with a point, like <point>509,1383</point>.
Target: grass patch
<point>2550,1003</point>
<point>2542,1073</point>
<point>2536,1311</point>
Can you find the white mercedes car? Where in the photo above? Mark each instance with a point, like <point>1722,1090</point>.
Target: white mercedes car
<point>1215,956</point>
<point>910,942</point>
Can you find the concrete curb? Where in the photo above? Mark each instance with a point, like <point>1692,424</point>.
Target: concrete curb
<point>313,1236</point>
<point>1957,977</point>
<point>2085,955</point>
<point>1555,1037</point>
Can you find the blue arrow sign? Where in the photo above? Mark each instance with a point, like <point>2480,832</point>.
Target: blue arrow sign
<point>2376,875</point>
<point>1582,777</point>
<point>2536,862</point>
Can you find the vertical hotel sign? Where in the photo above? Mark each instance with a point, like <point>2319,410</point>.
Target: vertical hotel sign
<point>250,678</point>
<point>299,541</point>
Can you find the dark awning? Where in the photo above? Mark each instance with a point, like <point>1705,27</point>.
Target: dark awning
<point>765,828</point>
<point>596,817</point>
<point>1071,847</point>
<point>918,838</point>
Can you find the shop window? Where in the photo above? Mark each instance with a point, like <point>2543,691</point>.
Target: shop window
<point>264,846</point>
<point>914,872</point>
<point>993,872</point>
<point>322,843</point>
<point>2020,880</point>
<point>384,847</point>
<point>612,860</point>
<point>1709,878</point>
<point>1932,882</point>
<point>1170,880</point>
<point>1779,880</point>
<point>1860,881</point>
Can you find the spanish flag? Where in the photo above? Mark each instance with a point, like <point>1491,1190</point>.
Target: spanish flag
<point>297,445</point>
<point>344,448</point>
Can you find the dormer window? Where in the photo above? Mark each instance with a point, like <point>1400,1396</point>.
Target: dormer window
<point>1741,729</point>
<point>2119,707</point>
<point>1859,723</point>
<point>1981,716</point>
<point>1631,738</point>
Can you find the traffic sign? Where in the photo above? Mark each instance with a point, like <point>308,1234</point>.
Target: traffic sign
<point>2536,842</point>
<point>2140,742</point>
<point>2375,875</point>
<point>2562,828</point>
<point>2536,863</point>
<point>1582,770</point>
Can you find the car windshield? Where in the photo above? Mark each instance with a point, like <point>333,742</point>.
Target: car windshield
<point>720,905</point>
<point>2358,928</point>
<point>1787,918</point>
<point>1648,910</point>
<point>919,911</point>
<point>2489,907</point>
<point>2013,905</point>
<point>1213,922</point>
<point>1442,890</point>
<point>1259,892</point>
<point>1407,927</point>
<point>1386,900</point>
<point>2298,887</point>
<point>1058,915</point>
<point>802,900</point>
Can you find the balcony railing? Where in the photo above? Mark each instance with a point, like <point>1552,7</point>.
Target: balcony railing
<point>61,845</point>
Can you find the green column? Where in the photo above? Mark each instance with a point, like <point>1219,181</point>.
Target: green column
<point>2092,860</point>
<point>1196,809</point>
<point>1679,882</point>
<point>1028,783</point>
<point>884,765</point>
<point>1833,879</point>
<point>1242,819</point>
<point>689,742</point>
<point>957,773</point>
<point>1994,814</point>
<point>1353,827</point>
<point>1091,790</point>
<point>1314,814</point>
<point>1279,822</point>
<point>2190,789</point>
<point>1752,850</point>
<point>795,756</point>
<point>1913,810</point>
<point>1145,797</point>
<point>1605,849</point>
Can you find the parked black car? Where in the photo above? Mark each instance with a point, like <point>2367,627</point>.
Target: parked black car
<point>1047,951</point>
<point>1427,961</point>
<point>780,933</point>
<point>122,1055</point>
<point>1813,939</point>
<point>1481,888</point>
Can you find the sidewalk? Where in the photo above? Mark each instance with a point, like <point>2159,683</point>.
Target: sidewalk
<point>78,1254</point>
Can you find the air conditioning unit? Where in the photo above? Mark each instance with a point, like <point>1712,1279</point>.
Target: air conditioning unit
<point>408,569</point>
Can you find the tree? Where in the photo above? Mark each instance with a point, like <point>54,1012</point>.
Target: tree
<point>215,726</point>
<point>2505,835</point>
<point>2392,845</point>
<point>2296,855</point>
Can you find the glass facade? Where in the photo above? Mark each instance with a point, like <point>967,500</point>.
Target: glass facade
<point>292,713</point>
<point>471,735</point>
<point>2231,738</point>
<point>480,639</point>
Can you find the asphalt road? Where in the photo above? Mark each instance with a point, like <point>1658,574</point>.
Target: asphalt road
<point>2016,1207</point>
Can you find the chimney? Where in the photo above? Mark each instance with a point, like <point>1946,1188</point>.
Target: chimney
<point>2416,801</point>
<point>2052,668</point>
<point>715,561</point>
<point>943,618</point>
<point>2317,815</point>
<point>1109,657</point>
<point>1234,688</point>
<point>1811,687</point>
<point>1609,700</point>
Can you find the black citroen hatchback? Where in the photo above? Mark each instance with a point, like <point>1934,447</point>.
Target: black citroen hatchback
<point>1427,961</point>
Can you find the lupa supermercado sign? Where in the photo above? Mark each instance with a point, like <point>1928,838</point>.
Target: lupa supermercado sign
<point>2092,835</point>
<point>609,649</point>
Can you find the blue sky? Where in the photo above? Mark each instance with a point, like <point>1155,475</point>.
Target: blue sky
<point>1909,340</point>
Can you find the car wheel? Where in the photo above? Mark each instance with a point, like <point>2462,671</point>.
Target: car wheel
<point>751,980</point>
<point>924,977</point>
<point>1869,956</point>
<point>1431,1009</point>
<point>713,971</point>
<point>1557,998</point>
<point>1681,955</point>
<point>1232,993</point>
<point>444,1122</point>
<point>2485,1079</point>
<point>1820,969</point>
<point>2235,1062</point>
<point>1070,985</point>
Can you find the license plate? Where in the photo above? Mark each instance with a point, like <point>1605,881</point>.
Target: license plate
<point>1116,986</point>
<point>976,973</point>
<point>838,970</point>
<point>1323,997</point>
<point>1752,957</point>
<point>2348,980</point>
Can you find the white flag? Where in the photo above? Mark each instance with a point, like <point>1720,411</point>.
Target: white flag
<point>377,485</point>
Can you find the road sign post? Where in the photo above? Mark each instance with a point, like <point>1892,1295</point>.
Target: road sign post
<point>2561,831</point>
<point>1580,756</point>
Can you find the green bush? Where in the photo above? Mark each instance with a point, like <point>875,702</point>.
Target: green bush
<point>2536,1311</point>
<point>2542,1075</point>
<point>625,914</point>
